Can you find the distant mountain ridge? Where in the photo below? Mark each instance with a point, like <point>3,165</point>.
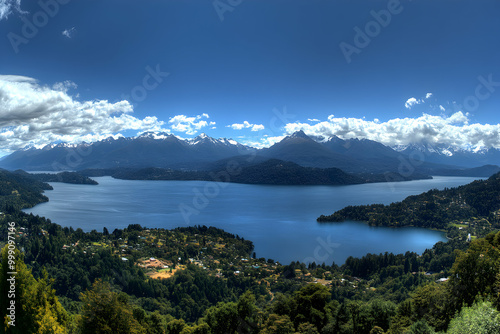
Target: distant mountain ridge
<point>164,150</point>
<point>147,150</point>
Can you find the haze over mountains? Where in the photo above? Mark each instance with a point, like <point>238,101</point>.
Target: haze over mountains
<point>445,154</point>
<point>163,150</point>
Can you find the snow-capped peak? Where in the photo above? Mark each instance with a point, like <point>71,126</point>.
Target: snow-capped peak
<point>155,135</point>
<point>202,136</point>
<point>299,134</point>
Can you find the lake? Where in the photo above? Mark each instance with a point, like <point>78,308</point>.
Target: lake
<point>280,220</point>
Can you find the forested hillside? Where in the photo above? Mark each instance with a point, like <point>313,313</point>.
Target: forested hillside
<point>64,177</point>
<point>19,191</point>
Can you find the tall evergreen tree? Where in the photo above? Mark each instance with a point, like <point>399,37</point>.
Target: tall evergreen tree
<point>27,305</point>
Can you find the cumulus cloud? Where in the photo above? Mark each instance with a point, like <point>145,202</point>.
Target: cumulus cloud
<point>454,130</point>
<point>7,7</point>
<point>266,141</point>
<point>35,114</point>
<point>189,125</point>
<point>411,102</point>
<point>246,125</point>
<point>69,33</point>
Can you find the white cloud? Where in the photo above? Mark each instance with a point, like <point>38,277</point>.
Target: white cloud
<point>16,78</point>
<point>442,108</point>
<point>189,125</point>
<point>411,102</point>
<point>257,127</point>
<point>236,126</point>
<point>313,120</point>
<point>69,33</point>
<point>64,86</point>
<point>454,130</point>
<point>264,142</point>
<point>31,113</point>
<point>246,125</point>
<point>7,7</point>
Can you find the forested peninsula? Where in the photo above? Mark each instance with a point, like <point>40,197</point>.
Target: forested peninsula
<point>270,172</point>
<point>477,203</point>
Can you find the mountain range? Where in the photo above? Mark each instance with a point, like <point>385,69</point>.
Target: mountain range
<point>147,150</point>
<point>204,153</point>
<point>446,154</point>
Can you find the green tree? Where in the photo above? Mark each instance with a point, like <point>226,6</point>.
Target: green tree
<point>376,330</point>
<point>307,328</point>
<point>381,312</point>
<point>309,305</point>
<point>106,312</point>
<point>246,313</point>
<point>420,327</point>
<point>176,326</point>
<point>202,328</point>
<point>223,318</point>
<point>474,271</point>
<point>34,307</point>
<point>481,318</point>
<point>354,308</point>
<point>433,303</point>
<point>278,324</point>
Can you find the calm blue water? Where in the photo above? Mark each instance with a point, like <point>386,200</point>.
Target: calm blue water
<point>280,220</point>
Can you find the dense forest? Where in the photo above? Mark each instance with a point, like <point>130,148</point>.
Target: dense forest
<point>200,279</point>
<point>19,191</point>
<point>475,203</point>
<point>64,177</point>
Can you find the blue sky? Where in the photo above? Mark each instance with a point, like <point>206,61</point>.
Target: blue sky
<point>252,70</point>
